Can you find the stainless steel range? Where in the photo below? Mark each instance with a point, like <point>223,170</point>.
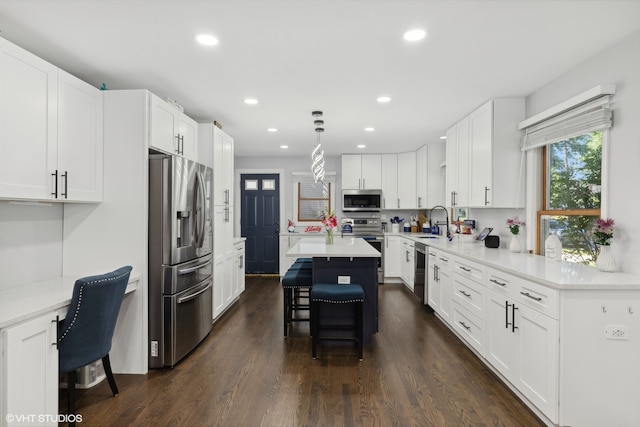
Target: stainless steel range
<point>369,226</point>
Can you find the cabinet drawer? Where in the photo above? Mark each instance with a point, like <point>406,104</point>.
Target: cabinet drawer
<point>469,269</point>
<point>470,327</point>
<point>538,297</point>
<point>503,283</point>
<point>469,294</point>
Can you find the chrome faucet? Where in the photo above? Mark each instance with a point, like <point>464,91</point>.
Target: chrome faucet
<point>446,212</point>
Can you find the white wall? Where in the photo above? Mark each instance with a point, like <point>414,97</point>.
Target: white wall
<point>620,65</point>
<point>30,243</point>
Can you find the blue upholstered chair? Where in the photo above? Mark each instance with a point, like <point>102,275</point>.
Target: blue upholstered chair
<point>85,334</point>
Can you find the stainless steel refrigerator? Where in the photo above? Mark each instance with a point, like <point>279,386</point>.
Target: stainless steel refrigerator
<point>180,257</point>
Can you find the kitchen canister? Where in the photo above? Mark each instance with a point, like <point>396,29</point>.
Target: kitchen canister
<point>395,228</point>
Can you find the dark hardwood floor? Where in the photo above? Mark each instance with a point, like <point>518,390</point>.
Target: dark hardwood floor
<point>245,373</point>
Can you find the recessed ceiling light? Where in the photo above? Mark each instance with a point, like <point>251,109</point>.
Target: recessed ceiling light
<point>414,35</point>
<point>443,137</point>
<point>284,146</point>
<point>272,130</point>
<point>383,99</point>
<point>251,101</point>
<point>361,146</point>
<point>369,129</point>
<point>206,39</point>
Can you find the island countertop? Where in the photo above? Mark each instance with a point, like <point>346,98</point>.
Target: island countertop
<point>352,247</point>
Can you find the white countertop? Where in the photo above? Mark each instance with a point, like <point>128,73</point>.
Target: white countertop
<point>558,275</point>
<point>342,247</point>
<point>29,301</point>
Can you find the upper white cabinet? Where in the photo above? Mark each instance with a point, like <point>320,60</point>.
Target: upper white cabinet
<point>457,184</point>
<point>495,177</point>
<point>389,181</point>
<point>223,165</point>
<point>172,131</point>
<point>361,171</point>
<point>429,177</point>
<point>80,139</point>
<point>407,198</point>
<point>51,124</point>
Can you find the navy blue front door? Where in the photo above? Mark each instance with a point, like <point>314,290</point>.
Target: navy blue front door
<point>260,221</point>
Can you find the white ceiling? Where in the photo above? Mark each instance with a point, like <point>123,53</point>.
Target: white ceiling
<point>337,56</point>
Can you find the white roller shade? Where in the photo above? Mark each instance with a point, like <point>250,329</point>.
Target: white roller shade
<point>588,117</point>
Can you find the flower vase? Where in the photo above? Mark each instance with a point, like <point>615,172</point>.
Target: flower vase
<point>329,240</point>
<point>516,244</point>
<point>605,260</point>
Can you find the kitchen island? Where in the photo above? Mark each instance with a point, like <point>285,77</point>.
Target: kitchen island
<point>347,260</point>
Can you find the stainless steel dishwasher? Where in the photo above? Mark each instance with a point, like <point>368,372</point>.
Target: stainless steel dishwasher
<point>419,282</point>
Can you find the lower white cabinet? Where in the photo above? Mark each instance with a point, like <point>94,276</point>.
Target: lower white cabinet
<point>238,270</point>
<point>393,256</point>
<point>408,262</point>
<point>29,371</point>
<point>439,283</point>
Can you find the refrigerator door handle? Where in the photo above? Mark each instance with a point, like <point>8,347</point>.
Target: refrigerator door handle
<point>192,269</point>
<point>193,295</point>
<point>198,207</point>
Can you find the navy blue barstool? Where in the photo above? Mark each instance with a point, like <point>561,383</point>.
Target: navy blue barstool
<point>295,286</point>
<point>330,293</point>
<point>85,334</point>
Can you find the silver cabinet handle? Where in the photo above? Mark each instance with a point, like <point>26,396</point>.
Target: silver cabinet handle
<point>486,200</point>
<point>528,295</point>
<point>463,268</point>
<point>464,325</point>
<point>465,294</point>
<point>497,282</point>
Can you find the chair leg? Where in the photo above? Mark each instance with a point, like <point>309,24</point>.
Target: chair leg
<point>106,363</point>
<point>314,316</point>
<point>71,395</point>
<point>284,312</point>
<point>359,323</point>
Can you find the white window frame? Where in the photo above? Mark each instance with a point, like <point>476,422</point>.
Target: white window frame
<point>297,177</point>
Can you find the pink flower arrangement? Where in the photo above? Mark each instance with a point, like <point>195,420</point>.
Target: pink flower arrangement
<point>514,225</point>
<point>329,220</point>
<point>603,231</point>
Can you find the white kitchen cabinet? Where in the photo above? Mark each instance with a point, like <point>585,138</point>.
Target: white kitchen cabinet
<point>522,342</point>
<point>393,256</point>
<point>238,272</point>
<point>223,165</point>
<point>30,369</point>
<point>429,177</point>
<point>389,181</point>
<point>457,154</point>
<point>439,283</point>
<point>172,131</point>
<point>222,283</point>
<point>361,171</point>
<point>495,175</point>
<point>52,127</point>
<point>407,198</point>
<point>408,262</point>
<point>80,140</point>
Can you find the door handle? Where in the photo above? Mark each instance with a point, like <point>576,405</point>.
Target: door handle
<point>193,295</point>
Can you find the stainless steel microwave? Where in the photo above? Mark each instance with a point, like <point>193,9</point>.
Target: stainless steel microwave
<point>361,200</point>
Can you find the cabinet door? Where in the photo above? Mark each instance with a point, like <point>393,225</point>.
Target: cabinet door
<point>435,176</point>
<point>164,126</point>
<point>537,359</point>
<point>372,171</point>
<point>462,192</point>
<point>80,140</point>
<point>351,172</point>
<point>393,256</point>
<point>433,285</point>
<point>228,286</point>
<point>407,180</point>
<point>481,159</point>
<point>188,137</point>
<point>218,285</point>
<point>222,167</point>
<point>452,165</point>
<point>28,124</point>
<point>421,177</point>
<point>239,279</point>
<point>205,144</point>
<point>500,337</point>
<point>30,369</point>
<point>389,181</point>
<point>446,287</point>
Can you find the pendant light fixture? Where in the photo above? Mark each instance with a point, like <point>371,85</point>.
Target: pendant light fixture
<point>317,155</point>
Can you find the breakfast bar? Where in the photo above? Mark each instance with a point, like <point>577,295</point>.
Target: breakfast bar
<point>347,260</point>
